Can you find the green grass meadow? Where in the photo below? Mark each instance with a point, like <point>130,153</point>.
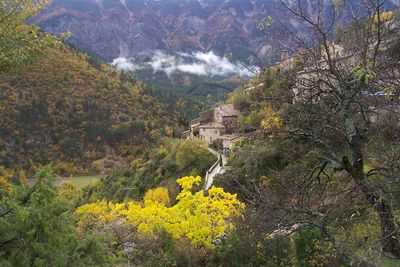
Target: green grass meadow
<point>82,181</point>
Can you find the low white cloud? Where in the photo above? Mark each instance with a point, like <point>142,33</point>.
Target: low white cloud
<point>198,63</point>
<point>125,64</point>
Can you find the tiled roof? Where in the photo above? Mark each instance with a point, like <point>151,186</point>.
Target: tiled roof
<point>195,121</point>
<point>231,137</point>
<point>212,125</point>
<point>226,110</point>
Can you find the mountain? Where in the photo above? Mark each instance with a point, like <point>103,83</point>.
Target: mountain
<point>137,32</point>
<point>136,28</point>
<point>69,107</point>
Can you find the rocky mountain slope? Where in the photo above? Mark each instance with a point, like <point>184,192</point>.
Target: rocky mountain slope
<point>180,42</point>
<point>135,28</point>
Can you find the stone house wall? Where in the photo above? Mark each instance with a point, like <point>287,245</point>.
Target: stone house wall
<point>211,134</point>
<point>206,116</point>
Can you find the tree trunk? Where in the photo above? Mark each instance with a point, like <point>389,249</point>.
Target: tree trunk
<point>390,235</point>
<point>339,250</point>
<point>389,230</point>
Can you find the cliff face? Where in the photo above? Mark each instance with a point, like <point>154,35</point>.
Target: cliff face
<point>135,28</point>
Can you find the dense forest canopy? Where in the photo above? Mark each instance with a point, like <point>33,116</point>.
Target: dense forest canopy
<point>66,107</point>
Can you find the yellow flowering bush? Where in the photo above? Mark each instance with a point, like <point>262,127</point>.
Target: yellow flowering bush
<point>5,184</point>
<point>5,176</point>
<point>198,217</point>
<point>159,195</point>
<point>270,118</point>
<point>102,211</point>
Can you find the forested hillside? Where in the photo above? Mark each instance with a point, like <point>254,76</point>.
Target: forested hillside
<point>323,172</point>
<point>68,107</point>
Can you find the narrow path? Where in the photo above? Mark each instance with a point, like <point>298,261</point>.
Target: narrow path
<point>219,167</point>
<point>212,151</point>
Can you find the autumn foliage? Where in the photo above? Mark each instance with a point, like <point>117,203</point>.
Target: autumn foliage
<point>198,217</point>
<point>67,106</point>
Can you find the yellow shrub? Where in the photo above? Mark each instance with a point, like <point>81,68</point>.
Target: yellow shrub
<point>96,165</point>
<point>4,183</point>
<point>197,217</point>
<point>160,195</point>
<point>5,175</point>
<point>22,177</point>
<point>270,118</point>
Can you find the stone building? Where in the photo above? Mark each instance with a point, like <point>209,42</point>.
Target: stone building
<point>211,131</point>
<point>229,141</point>
<point>213,123</point>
